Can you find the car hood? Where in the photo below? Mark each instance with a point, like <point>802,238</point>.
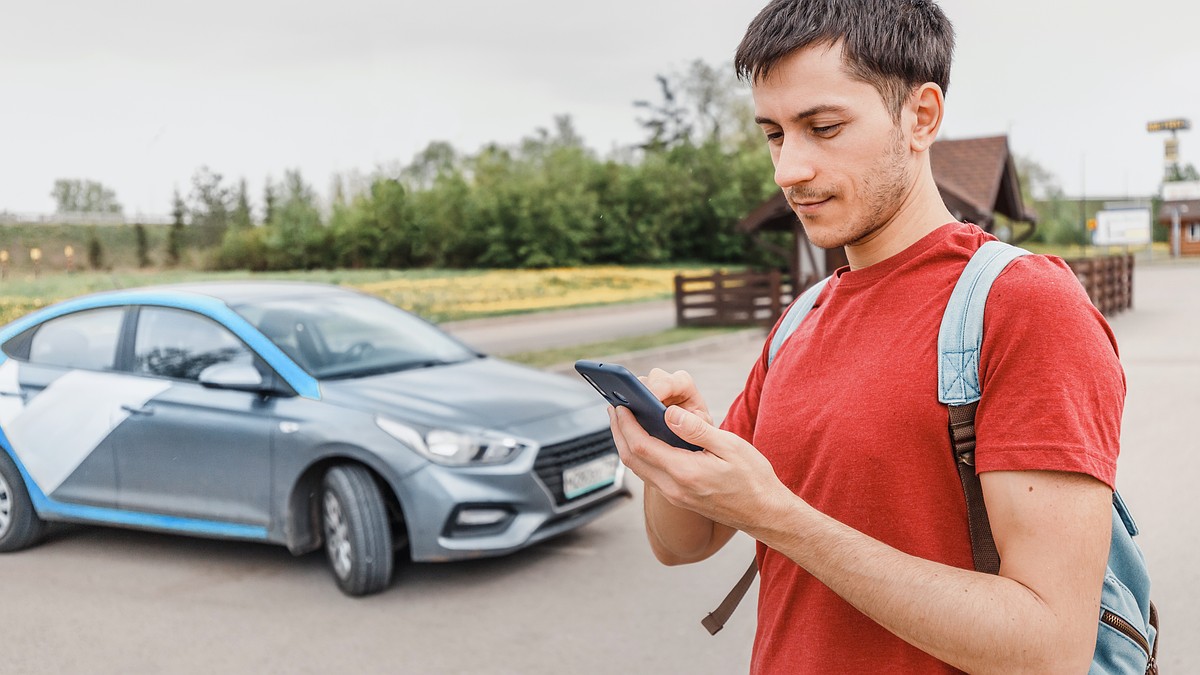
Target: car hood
<point>479,393</point>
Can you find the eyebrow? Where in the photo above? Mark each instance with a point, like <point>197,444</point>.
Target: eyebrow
<point>801,116</point>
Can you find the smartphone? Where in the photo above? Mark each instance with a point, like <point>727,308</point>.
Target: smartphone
<point>622,388</point>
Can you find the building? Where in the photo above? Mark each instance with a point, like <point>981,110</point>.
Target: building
<point>1188,232</point>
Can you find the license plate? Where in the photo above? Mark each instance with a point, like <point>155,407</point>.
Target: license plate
<point>592,475</point>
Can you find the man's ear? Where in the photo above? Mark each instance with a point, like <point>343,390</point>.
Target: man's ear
<point>928,106</point>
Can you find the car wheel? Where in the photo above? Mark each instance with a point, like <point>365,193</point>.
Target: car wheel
<point>358,538</point>
<point>20,526</point>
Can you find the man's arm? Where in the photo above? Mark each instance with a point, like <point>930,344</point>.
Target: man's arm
<point>679,536</point>
<point>1051,529</point>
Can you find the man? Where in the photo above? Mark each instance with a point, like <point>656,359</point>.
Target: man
<point>837,458</point>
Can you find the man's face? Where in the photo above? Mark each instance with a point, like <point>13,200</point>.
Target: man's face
<point>842,160</point>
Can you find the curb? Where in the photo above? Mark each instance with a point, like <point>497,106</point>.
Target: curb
<point>644,359</point>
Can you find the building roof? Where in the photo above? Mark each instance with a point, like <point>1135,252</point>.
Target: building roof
<point>976,176</point>
<point>1189,211</point>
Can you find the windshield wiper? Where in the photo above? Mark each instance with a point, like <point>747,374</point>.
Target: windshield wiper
<point>385,369</point>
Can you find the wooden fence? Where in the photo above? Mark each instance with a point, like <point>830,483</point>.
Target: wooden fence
<point>758,298</point>
<point>1108,281</point>
<point>731,299</point>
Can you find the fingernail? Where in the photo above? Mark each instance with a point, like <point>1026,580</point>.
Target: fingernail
<point>675,415</point>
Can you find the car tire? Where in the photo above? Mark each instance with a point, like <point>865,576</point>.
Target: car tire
<point>358,537</point>
<point>20,526</point>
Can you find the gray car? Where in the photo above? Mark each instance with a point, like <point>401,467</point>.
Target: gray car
<point>294,413</point>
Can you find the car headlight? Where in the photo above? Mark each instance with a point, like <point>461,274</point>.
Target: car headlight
<point>454,448</point>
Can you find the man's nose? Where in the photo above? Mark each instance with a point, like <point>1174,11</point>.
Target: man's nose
<point>794,164</point>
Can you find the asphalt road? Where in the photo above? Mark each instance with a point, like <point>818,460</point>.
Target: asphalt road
<point>94,600</point>
<point>530,332</point>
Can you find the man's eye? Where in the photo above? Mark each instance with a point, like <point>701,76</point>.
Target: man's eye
<point>774,136</point>
<point>828,130</point>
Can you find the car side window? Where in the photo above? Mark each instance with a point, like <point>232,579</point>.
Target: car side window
<point>86,339</point>
<point>180,344</point>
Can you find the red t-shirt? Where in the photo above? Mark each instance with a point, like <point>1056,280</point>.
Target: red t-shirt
<point>849,416</point>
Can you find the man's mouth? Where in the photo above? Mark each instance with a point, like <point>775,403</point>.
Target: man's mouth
<point>809,205</point>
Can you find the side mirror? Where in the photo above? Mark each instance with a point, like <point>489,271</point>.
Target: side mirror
<point>236,376</point>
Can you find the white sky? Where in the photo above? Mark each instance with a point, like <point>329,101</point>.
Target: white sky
<point>139,94</point>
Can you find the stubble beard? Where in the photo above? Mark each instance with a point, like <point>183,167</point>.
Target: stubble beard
<point>884,188</point>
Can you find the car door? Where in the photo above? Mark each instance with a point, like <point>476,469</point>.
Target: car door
<point>193,451</point>
<point>60,400</point>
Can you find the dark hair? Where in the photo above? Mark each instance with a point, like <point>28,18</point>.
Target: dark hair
<point>893,45</point>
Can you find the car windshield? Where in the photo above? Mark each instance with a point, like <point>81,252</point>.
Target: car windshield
<point>349,335</point>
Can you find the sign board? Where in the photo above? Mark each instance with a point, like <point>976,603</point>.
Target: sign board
<point>1178,124</point>
<point>1176,191</point>
<point>1122,227</point>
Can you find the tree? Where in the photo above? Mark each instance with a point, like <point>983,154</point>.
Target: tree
<point>437,160</point>
<point>143,245</point>
<point>667,122</point>
<point>211,205</point>
<point>83,196</point>
<point>297,238</point>
<point>702,168</point>
<point>241,218</point>
<point>270,198</point>
<point>175,234</point>
<point>95,250</point>
<point>1186,172</point>
<point>1058,218</point>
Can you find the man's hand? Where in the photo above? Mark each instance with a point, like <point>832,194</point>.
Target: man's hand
<point>677,534</point>
<point>695,501</point>
<point>730,482</point>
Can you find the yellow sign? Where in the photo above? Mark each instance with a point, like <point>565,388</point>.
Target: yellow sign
<point>1177,124</point>
<point>1091,223</point>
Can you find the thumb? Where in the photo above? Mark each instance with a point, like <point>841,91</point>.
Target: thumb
<point>689,426</point>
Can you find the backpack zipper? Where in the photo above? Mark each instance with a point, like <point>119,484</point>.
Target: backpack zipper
<point>1125,628</point>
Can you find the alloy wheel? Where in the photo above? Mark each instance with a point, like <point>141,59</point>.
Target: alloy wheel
<point>337,536</point>
<point>5,506</point>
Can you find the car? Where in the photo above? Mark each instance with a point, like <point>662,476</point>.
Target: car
<point>301,414</point>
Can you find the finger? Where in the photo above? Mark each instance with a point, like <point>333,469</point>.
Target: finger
<point>647,456</point>
<point>661,384</point>
<point>622,429</point>
<point>677,388</point>
<point>696,428</point>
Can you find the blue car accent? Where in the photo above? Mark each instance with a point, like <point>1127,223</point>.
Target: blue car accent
<point>48,507</point>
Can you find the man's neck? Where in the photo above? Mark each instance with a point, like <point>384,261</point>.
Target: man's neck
<point>922,211</point>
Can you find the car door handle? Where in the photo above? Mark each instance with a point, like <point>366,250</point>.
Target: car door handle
<point>137,411</point>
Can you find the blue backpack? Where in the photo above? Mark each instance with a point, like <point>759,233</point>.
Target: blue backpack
<point>1126,638</point>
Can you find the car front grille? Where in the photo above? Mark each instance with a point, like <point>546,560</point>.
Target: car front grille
<point>552,459</point>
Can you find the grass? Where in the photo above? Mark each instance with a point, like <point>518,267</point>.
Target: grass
<point>549,357</point>
<point>437,295</point>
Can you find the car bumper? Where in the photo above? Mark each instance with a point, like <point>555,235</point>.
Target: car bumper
<point>524,490</point>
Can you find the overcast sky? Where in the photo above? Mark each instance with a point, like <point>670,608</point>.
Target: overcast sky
<point>138,94</point>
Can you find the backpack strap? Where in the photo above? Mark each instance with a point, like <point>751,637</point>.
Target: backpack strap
<point>795,314</point>
<point>959,342</point>
<point>961,335</point>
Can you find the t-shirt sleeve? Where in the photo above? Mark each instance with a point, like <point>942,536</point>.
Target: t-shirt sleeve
<point>1053,387</point>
